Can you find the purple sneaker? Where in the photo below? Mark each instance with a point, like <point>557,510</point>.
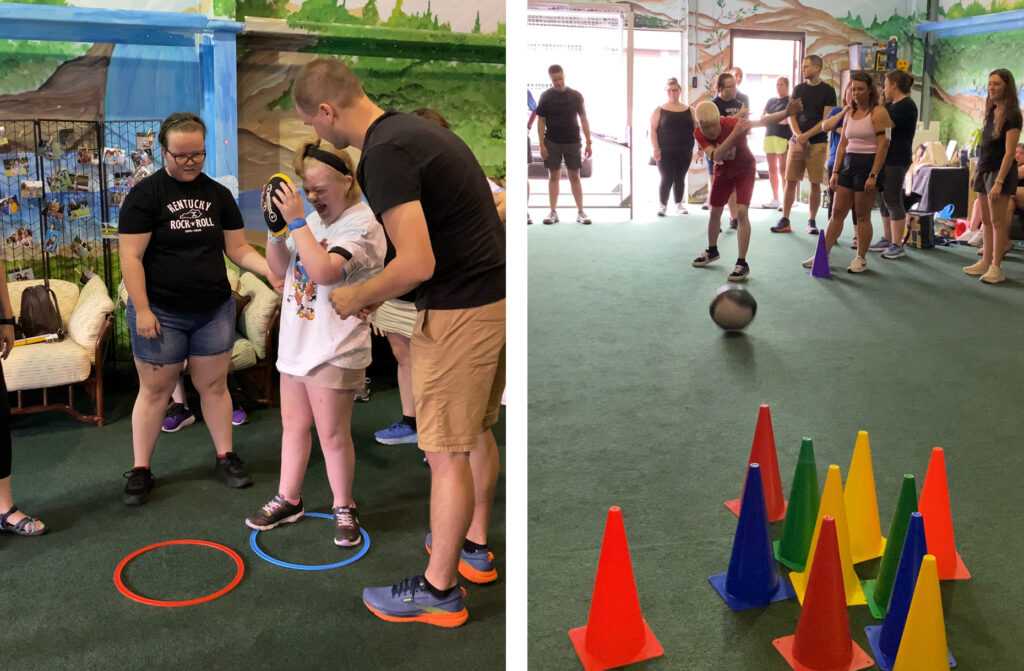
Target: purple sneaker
<point>238,417</point>
<point>178,417</point>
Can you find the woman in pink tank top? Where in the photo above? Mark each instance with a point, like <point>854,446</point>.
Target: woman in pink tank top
<point>859,159</point>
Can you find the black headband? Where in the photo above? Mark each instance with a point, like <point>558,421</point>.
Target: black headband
<point>330,159</point>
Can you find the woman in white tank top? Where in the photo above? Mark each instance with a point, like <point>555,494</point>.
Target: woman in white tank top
<point>860,156</point>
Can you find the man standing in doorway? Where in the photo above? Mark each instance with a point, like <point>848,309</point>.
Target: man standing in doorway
<point>428,190</point>
<point>557,113</point>
<point>808,147</point>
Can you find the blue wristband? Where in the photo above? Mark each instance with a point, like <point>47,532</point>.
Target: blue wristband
<point>297,223</point>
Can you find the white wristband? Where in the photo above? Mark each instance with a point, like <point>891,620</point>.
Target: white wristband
<point>276,239</point>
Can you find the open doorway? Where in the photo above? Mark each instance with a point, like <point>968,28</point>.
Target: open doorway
<point>764,56</point>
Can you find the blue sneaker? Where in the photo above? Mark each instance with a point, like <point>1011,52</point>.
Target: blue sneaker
<point>411,601</point>
<point>396,434</point>
<point>475,567</point>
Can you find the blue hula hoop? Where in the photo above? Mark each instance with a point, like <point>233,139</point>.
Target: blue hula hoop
<point>306,567</point>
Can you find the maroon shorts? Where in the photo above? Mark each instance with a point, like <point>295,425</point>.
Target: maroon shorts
<point>741,181</point>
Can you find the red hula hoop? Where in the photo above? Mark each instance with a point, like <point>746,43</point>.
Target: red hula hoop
<point>174,604</point>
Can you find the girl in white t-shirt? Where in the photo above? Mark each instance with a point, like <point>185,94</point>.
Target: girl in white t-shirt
<point>321,357</point>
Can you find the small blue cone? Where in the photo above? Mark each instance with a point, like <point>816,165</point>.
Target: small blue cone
<point>819,268</point>
<point>885,638</point>
<point>753,578</point>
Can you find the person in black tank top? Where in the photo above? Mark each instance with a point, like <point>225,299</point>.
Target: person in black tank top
<point>672,138</point>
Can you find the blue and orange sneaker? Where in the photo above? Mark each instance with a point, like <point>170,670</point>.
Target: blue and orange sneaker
<point>475,567</point>
<point>411,601</point>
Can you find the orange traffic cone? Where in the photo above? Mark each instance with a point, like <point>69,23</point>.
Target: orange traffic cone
<point>762,451</point>
<point>938,520</point>
<point>866,540</point>
<point>616,633</point>
<point>832,505</point>
<point>822,641</point>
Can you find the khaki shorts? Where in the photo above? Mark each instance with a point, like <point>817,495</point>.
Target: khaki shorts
<point>329,376</point>
<point>458,374</point>
<point>811,161</point>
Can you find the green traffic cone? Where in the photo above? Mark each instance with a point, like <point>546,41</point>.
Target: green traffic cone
<point>877,591</point>
<point>802,514</point>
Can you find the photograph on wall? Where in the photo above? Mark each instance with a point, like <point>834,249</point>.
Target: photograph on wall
<point>47,148</point>
<point>80,247</point>
<point>124,179</point>
<point>144,140</point>
<point>4,142</point>
<point>20,274</point>
<point>142,172</point>
<point>87,156</point>
<point>78,209</point>
<point>59,181</point>
<point>54,210</point>
<point>65,138</point>
<point>9,206</point>
<point>115,197</point>
<point>32,188</point>
<point>50,243</point>
<point>20,238</point>
<point>113,156</point>
<point>142,157</point>
<point>79,182</point>
<point>16,166</point>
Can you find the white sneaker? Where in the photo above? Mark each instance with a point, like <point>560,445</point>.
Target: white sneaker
<point>993,276</point>
<point>977,269</point>
<point>552,218</point>
<point>661,210</point>
<point>976,239</point>
<point>809,263</point>
<point>858,265</point>
<point>681,209</point>
<point>582,218</point>
<point>773,205</point>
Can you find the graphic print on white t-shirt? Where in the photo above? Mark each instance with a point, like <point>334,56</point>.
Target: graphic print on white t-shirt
<point>190,215</point>
<point>304,289</point>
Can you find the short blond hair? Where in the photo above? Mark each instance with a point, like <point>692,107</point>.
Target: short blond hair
<point>326,80</point>
<point>707,112</point>
<point>301,161</point>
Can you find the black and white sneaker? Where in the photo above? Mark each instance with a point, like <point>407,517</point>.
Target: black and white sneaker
<point>277,510</point>
<point>705,258</point>
<point>139,485</point>
<point>739,273</point>
<point>230,470</point>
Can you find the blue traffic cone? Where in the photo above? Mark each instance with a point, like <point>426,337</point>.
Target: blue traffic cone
<point>885,638</point>
<point>753,579</point>
<point>819,268</point>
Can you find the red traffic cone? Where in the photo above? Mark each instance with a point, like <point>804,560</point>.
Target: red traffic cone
<point>938,520</point>
<point>822,641</point>
<point>763,452</point>
<point>616,633</point>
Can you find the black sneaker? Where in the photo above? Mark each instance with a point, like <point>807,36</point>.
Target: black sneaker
<point>734,224</point>
<point>705,258</point>
<point>346,526</point>
<point>739,273</point>
<point>139,485</point>
<point>231,471</point>
<point>276,511</point>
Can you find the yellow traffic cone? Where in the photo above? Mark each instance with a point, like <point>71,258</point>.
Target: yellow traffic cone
<point>923,645</point>
<point>866,541</point>
<point>832,504</point>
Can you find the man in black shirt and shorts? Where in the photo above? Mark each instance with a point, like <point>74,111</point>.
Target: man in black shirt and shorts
<point>808,148</point>
<point>559,134</point>
<point>424,184</point>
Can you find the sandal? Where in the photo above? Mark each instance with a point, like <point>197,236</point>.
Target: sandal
<point>23,527</point>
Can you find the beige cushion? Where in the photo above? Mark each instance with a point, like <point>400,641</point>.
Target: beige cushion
<point>243,355</point>
<point>66,292</point>
<point>46,365</point>
<point>90,313</point>
<point>259,312</point>
<point>233,279</point>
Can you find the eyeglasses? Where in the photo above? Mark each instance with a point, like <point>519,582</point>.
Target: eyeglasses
<point>182,159</point>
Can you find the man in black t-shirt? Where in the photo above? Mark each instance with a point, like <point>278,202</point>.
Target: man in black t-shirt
<point>808,148</point>
<point>557,112</point>
<point>903,113</point>
<point>428,190</point>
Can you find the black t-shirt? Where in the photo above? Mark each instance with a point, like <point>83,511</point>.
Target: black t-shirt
<point>993,148</point>
<point>779,129</point>
<point>560,110</point>
<point>184,260</point>
<point>904,120</point>
<point>815,99</point>
<point>729,107</point>
<point>407,158</point>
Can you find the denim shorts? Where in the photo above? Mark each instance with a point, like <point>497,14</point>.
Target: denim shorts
<point>184,334</point>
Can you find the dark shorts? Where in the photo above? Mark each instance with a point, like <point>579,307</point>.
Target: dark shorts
<point>571,153</point>
<point>855,170</point>
<point>740,181</point>
<point>890,191</point>
<point>184,334</point>
<point>984,182</point>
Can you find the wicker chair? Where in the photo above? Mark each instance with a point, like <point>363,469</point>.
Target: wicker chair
<point>76,360</point>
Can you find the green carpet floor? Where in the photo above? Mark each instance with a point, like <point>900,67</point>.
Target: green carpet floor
<point>61,610</point>
<point>637,399</point>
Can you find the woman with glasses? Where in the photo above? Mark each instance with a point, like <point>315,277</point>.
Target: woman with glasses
<point>672,138</point>
<point>175,228</point>
<point>322,357</point>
